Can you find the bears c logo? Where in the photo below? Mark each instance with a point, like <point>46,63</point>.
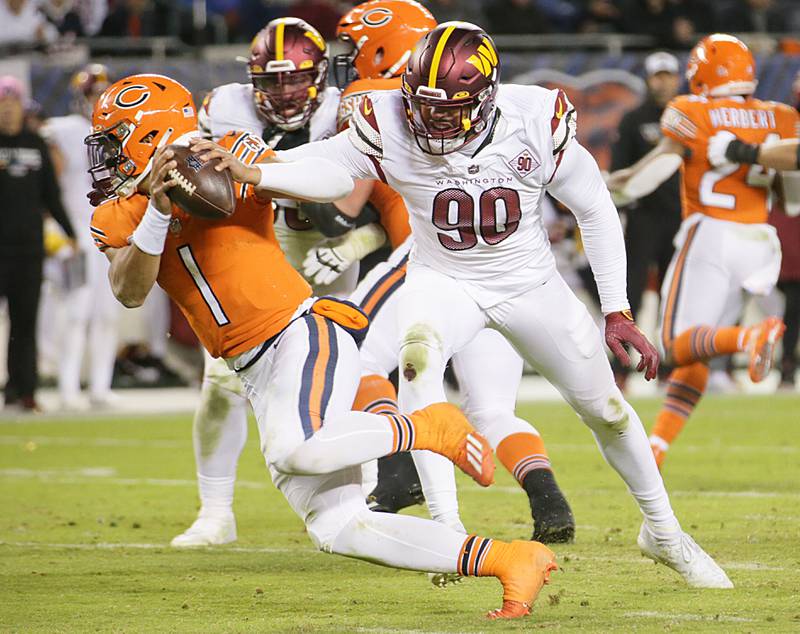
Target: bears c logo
<point>377,16</point>
<point>132,96</point>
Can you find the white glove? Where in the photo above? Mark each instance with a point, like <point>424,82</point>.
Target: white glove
<point>332,257</point>
<point>717,145</point>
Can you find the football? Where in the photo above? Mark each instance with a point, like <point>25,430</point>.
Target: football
<point>201,191</point>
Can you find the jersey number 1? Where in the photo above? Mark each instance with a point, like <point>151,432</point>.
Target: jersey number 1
<point>491,229</point>
<point>206,292</point>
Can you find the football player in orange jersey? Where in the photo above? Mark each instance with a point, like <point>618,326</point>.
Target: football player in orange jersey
<point>725,245</point>
<point>296,355</point>
<point>488,370</point>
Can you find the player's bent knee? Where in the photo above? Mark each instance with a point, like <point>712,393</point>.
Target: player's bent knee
<point>608,413</point>
<point>420,351</point>
<point>325,527</point>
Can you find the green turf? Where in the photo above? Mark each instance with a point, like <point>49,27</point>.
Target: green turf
<point>88,507</point>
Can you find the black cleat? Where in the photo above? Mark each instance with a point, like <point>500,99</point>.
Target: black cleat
<point>398,485</point>
<point>553,522</point>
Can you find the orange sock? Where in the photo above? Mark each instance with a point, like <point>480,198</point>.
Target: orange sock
<point>474,554</point>
<point>685,386</point>
<point>521,453</point>
<point>376,395</point>
<point>702,343</point>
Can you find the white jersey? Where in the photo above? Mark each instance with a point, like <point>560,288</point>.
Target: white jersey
<point>475,213</point>
<point>67,134</point>
<point>232,107</point>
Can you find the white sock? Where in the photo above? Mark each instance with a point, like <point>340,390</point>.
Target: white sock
<point>219,433</point>
<point>400,541</point>
<point>628,452</point>
<point>438,479</point>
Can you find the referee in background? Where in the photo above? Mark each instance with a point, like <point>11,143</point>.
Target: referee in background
<point>653,221</point>
<point>28,189</point>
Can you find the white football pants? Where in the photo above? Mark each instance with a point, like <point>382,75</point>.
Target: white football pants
<point>488,369</point>
<point>554,332</point>
<point>90,310</point>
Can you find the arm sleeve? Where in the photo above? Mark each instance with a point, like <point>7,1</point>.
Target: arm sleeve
<point>51,193</point>
<point>579,185</point>
<point>338,149</point>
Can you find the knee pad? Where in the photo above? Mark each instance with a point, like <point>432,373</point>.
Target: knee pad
<point>325,526</point>
<point>420,351</point>
<point>607,413</point>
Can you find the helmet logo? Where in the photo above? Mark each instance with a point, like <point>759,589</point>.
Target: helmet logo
<point>316,38</point>
<point>485,59</point>
<point>377,16</point>
<point>132,96</point>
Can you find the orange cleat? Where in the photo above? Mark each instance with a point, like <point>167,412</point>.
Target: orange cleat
<point>526,568</point>
<point>761,344</point>
<point>443,428</point>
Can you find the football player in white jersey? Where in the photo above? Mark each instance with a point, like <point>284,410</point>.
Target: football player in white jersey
<point>472,160</point>
<point>286,103</point>
<point>89,306</point>
<point>488,369</point>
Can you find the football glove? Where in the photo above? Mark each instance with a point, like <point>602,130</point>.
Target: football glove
<point>332,257</point>
<point>724,148</point>
<point>621,330</point>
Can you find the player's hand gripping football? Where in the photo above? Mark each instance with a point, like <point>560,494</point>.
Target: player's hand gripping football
<point>240,172</point>
<point>621,330</point>
<point>160,180</point>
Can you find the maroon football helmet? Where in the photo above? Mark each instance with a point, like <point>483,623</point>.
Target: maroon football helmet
<point>450,85</point>
<point>86,86</point>
<point>288,67</point>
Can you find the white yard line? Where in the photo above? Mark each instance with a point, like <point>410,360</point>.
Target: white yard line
<point>148,546</point>
<point>77,441</point>
<point>721,618</point>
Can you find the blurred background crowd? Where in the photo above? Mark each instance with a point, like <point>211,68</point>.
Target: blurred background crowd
<point>607,66</point>
<point>661,23</point>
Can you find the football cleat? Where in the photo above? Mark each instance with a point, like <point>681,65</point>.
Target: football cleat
<point>761,345</point>
<point>443,428</point>
<point>527,571</point>
<point>207,530</point>
<point>681,553</point>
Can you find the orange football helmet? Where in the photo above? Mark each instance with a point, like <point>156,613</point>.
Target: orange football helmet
<point>131,120</point>
<point>382,33</point>
<point>721,65</point>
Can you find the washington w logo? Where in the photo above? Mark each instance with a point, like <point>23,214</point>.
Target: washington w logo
<point>485,60</point>
<point>377,17</point>
<point>132,96</point>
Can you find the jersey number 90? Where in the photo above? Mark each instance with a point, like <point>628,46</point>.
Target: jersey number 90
<point>457,203</point>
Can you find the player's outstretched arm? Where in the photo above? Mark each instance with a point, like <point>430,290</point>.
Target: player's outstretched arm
<point>725,148</point>
<point>648,173</point>
<point>134,268</point>
<point>579,185</point>
<point>305,178</point>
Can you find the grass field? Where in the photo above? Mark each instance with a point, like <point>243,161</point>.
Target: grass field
<point>89,506</point>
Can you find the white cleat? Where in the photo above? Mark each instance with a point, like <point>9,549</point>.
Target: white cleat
<point>684,556</point>
<point>207,531</point>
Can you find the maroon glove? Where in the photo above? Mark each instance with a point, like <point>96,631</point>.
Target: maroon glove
<point>621,329</point>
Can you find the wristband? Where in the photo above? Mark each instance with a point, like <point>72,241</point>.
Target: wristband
<point>151,233</point>
<point>741,152</point>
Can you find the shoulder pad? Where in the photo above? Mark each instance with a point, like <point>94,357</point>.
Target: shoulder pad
<point>364,131</point>
<point>563,123</point>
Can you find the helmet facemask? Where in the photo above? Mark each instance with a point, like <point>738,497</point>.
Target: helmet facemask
<point>286,97</point>
<point>112,172</point>
<point>440,125</point>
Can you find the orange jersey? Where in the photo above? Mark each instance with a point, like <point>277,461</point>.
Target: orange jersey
<point>736,192</point>
<point>229,277</point>
<point>392,212</point>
